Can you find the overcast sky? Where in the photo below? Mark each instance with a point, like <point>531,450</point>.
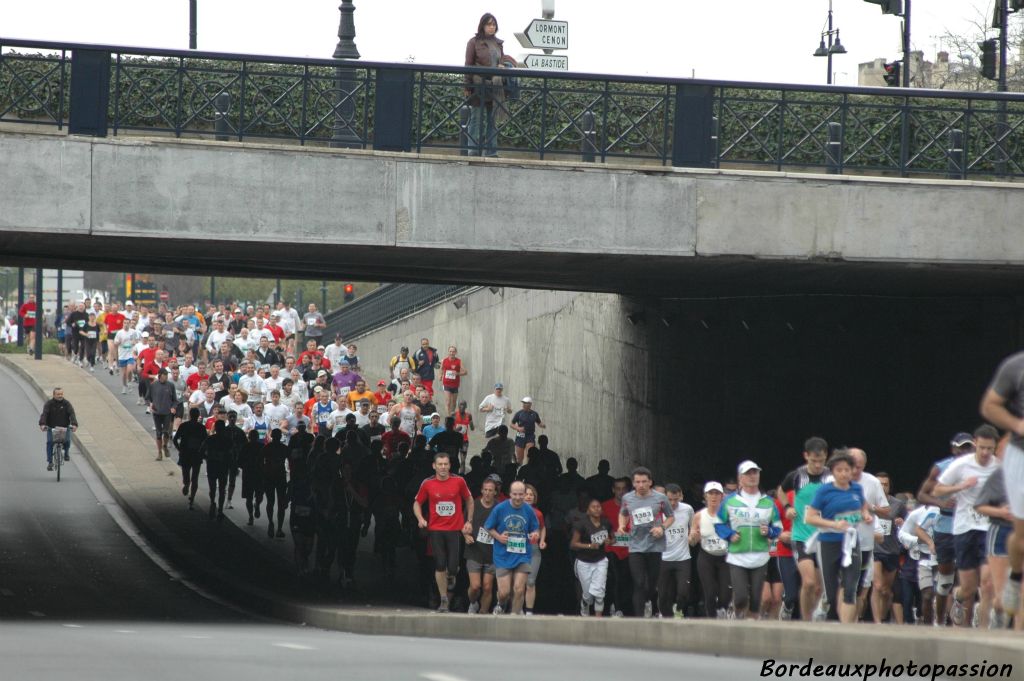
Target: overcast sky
<point>757,40</point>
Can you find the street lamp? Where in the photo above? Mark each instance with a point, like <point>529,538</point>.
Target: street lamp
<point>345,136</point>
<point>833,47</point>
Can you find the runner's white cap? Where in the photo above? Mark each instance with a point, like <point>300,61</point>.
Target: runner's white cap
<point>527,400</point>
<point>747,465</point>
<point>128,302</point>
<point>713,487</point>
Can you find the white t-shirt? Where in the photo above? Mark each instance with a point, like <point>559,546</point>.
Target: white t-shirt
<point>214,340</point>
<point>125,340</point>
<point>253,386</point>
<point>966,466</point>
<point>275,413</point>
<point>501,406</point>
<point>186,372</point>
<point>677,536</point>
<point>338,417</point>
<point>243,411</point>
<point>874,495</point>
<point>333,353</point>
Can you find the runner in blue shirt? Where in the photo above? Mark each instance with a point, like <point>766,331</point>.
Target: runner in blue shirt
<point>837,509</point>
<point>514,526</point>
<point>525,422</point>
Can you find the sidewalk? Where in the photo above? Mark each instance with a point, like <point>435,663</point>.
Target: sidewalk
<point>245,566</point>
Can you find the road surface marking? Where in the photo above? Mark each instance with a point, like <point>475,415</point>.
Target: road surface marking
<point>36,613</point>
<point>196,636</point>
<point>125,631</point>
<point>73,626</point>
<point>441,676</point>
<point>293,646</point>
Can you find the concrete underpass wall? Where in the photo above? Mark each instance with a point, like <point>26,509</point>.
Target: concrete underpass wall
<point>698,385</point>
<point>576,354</point>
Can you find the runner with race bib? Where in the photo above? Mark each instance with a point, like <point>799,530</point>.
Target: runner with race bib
<point>444,494</point>
<point>649,514</point>
<point>513,525</point>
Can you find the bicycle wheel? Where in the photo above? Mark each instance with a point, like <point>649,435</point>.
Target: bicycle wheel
<point>58,457</point>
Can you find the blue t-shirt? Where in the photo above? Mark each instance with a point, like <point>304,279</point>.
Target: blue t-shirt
<point>430,431</point>
<point>838,504</point>
<point>518,523</point>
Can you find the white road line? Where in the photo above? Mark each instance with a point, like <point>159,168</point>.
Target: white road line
<point>293,646</point>
<point>6,592</point>
<point>125,631</point>
<point>441,676</point>
<point>73,626</point>
<point>197,637</point>
<point>36,613</point>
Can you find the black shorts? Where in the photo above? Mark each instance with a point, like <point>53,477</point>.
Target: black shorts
<point>801,553</point>
<point>493,432</point>
<point>971,549</point>
<point>444,545</point>
<point>163,424</point>
<point>453,391</point>
<point>890,561</point>
<point>945,550</point>
<point>773,576</point>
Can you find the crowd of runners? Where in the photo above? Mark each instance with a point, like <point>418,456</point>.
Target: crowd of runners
<point>287,420</point>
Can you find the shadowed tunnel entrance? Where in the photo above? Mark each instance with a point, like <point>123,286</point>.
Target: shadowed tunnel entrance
<point>753,377</point>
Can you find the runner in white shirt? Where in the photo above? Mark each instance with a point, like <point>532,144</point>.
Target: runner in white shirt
<point>274,380</point>
<point>338,416</point>
<point>240,406</point>
<point>188,368</point>
<point>965,478</point>
<point>125,340</point>
<point>335,351</point>
<point>496,406</point>
<point>916,534</point>
<point>674,576</point>
<point>252,384</point>
<point>878,503</point>
<point>217,336</point>
<point>275,409</point>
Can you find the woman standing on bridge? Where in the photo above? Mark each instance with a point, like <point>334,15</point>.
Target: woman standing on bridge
<point>486,94</point>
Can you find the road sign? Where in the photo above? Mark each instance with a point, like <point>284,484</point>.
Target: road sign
<point>548,35</point>
<point>547,62</point>
<point>164,296</point>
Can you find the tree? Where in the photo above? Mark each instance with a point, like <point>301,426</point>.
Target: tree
<point>964,71</point>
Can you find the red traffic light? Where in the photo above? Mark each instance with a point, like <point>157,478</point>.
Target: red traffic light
<point>349,288</point>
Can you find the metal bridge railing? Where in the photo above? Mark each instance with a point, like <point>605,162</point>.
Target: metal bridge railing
<point>388,304</point>
<point>98,90</point>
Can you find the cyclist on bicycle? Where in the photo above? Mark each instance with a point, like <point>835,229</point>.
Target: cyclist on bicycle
<point>57,413</point>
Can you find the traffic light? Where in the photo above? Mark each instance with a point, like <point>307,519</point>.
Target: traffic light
<point>350,293</point>
<point>891,6</point>
<point>892,74</point>
<point>988,58</point>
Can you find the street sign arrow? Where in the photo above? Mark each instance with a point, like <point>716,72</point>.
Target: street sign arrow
<point>548,34</point>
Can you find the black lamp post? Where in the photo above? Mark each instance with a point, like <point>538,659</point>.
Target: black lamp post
<point>833,47</point>
<point>345,136</point>
<point>192,24</point>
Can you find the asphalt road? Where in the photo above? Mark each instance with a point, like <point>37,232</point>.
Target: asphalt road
<point>82,597</point>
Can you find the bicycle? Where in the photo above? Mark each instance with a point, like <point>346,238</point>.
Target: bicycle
<point>59,436</point>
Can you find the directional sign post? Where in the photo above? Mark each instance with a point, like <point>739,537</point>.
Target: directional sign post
<point>548,34</point>
<point>547,62</point>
